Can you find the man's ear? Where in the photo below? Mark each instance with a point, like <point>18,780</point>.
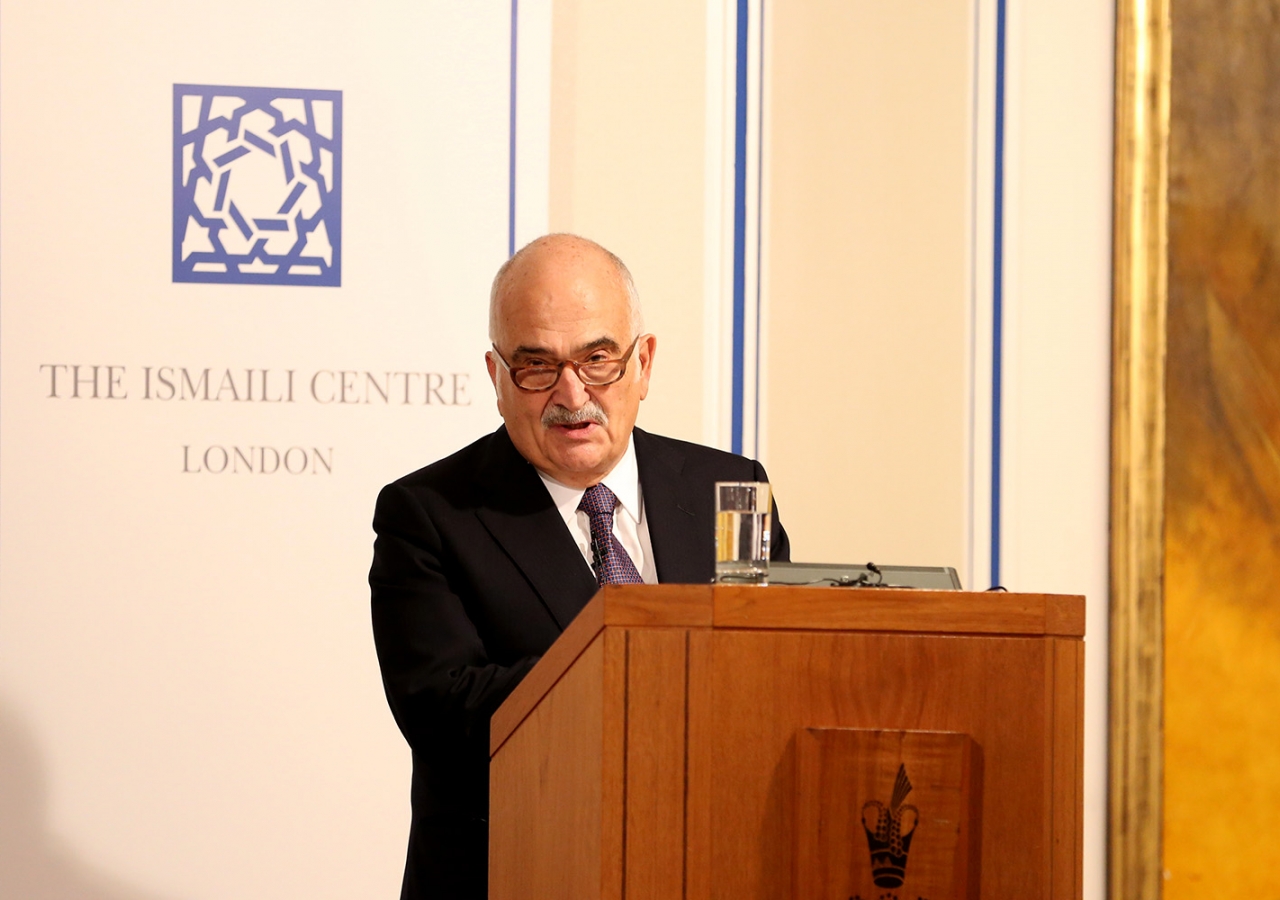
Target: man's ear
<point>492,365</point>
<point>648,347</point>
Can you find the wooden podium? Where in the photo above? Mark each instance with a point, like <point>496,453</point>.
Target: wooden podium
<point>698,741</point>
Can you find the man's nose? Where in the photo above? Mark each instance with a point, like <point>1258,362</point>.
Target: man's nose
<point>570,392</point>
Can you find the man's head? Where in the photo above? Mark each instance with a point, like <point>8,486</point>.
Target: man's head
<point>566,299</point>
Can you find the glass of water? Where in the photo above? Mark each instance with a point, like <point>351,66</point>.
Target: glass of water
<point>742,532</point>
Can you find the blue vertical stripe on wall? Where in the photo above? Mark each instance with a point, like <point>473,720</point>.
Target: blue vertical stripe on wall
<point>759,228</point>
<point>739,229</point>
<point>511,173</point>
<point>997,299</point>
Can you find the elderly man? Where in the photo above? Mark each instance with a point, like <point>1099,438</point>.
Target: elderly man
<point>483,558</point>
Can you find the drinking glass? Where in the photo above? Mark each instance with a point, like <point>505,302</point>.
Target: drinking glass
<point>743,511</point>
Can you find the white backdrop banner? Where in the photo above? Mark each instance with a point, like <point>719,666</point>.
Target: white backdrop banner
<point>245,252</point>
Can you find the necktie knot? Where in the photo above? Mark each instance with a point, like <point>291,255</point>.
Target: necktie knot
<point>612,564</point>
<point>598,501</point>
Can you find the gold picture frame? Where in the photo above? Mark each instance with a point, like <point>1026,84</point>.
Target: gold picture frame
<point>1140,295</point>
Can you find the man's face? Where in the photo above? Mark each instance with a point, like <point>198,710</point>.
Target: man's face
<point>566,301</point>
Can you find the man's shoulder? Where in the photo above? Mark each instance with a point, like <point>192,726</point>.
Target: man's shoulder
<point>463,467</point>
<point>684,454</point>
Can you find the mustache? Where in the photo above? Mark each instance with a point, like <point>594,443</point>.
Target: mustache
<point>589,412</point>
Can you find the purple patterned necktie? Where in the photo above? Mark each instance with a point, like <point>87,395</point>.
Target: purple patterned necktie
<point>613,565</point>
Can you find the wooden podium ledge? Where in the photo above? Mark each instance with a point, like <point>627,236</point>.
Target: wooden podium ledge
<point>788,608</point>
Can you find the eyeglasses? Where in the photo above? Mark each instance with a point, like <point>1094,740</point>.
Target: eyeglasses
<point>595,372</point>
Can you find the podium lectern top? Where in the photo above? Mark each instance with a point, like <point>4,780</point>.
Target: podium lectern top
<point>862,609</point>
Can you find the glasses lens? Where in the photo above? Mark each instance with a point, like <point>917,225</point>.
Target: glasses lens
<point>536,378</point>
<point>606,372</point>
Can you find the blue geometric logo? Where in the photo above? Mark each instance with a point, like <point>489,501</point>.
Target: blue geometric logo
<point>257,185</point>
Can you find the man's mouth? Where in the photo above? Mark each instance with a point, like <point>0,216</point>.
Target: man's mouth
<point>575,420</point>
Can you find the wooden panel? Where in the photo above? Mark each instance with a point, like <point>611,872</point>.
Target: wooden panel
<point>613,767</point>
<point>1067,746</point>
<point>655,779</point>
<point>671,605</point>
<point>615,604</point>
<point>886,812</point>
<point>767,685</point>
<point>872,609</point>
<point>576,638</point>
<point>701,766</point>
<point>1064,615</point>
<point>545,793</point>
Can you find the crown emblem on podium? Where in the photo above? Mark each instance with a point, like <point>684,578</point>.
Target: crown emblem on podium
<point>889,830</point>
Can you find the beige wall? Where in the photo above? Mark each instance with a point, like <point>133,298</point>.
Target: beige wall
<point>867,218</point>
<point>1058,339</point>
<point>627,170</point>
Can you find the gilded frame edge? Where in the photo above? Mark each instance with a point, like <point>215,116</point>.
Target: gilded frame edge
<point>1140,297</point>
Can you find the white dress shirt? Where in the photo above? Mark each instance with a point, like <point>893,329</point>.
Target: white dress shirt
<point>629,523</point>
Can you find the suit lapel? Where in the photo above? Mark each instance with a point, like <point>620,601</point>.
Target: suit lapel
<point>522,519</point>
<point>682,539</point>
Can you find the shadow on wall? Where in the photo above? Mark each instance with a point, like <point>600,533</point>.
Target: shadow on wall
<point>36,864</point>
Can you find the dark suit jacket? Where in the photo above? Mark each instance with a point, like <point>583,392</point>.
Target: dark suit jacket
<point>474,576</point>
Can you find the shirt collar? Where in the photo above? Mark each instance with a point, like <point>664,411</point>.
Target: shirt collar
<point>624,481</point>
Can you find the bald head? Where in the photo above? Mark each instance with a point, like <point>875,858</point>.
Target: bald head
<point>567,251</point>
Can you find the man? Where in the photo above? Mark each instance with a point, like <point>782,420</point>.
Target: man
<point>483,558</point>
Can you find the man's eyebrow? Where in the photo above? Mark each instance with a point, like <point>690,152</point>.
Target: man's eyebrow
<point>600,343</point>
<point>528,350</point>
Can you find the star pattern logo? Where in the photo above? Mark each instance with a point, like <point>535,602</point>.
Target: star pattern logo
<point>257,185</point>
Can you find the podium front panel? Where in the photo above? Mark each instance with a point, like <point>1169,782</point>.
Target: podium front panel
<point>656,754</point>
